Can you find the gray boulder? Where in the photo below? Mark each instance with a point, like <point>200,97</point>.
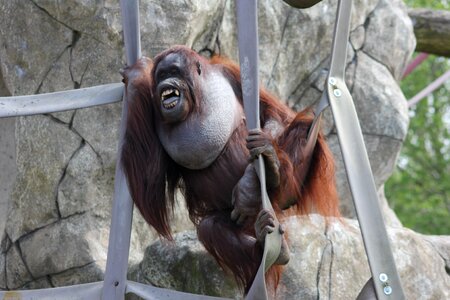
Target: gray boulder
<point>183,265</point>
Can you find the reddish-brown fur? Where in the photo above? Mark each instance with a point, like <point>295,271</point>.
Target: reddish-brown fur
<point>153,176</point>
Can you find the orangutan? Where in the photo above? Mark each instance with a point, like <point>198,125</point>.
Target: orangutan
<point>186,129</point>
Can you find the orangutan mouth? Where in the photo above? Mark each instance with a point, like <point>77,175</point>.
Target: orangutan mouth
<point>170,97</point>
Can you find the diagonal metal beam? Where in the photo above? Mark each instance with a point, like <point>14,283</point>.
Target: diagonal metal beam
<point>386,281</point>
<point>59,101</point>
<point>429,89</point>
<point>151,292</point>
<point>85,291</point>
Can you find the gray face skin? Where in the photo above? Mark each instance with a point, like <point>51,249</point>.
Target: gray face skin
<point>194,136</point>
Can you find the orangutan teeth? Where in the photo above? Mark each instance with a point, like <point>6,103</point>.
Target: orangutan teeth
<point>170,105</point>
<point>166,93</point>
<point>170,92</point>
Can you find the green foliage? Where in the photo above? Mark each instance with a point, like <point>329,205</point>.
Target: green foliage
<point>435,4</point>
<point>419,189</point>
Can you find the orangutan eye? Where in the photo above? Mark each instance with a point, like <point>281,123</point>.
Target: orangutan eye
<point>199,68</point>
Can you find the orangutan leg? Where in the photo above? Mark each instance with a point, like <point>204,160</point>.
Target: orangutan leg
<point>231,247</point>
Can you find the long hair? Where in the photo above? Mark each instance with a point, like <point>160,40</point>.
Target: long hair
<point>152,179</point>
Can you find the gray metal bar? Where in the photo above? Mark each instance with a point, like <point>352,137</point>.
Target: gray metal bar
<point>122,212</point>
<point>386,280</point>
<point>87,291</point>
<point>340,39</point>
<point>59,101</point>
<point>247,20</point>
<point>155,293</point>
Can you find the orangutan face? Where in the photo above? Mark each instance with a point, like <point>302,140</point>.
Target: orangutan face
<point>197,105</point>
<point>173,87</point>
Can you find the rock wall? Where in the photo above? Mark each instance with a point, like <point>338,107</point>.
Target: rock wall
<point>56,231</point>
<point>327,262</point>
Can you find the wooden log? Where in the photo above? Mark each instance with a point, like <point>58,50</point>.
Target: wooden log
<point>432,30</point>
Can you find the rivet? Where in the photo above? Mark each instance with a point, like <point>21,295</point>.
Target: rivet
<point>387,290</point>
<point>337,92</point>
<point>332,81</point>
<point>383,277</point>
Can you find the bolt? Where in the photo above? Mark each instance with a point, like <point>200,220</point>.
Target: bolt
<point>387,290</point>
<point>332,81</point>
<point>383,277</point>
<point>337,92</point>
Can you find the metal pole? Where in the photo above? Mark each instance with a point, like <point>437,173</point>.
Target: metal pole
<point>122,212</point>
<point>386,281</point>
<point>14,106</point>
<point>247,20</point>
<point>415,63</point>
<point>429,89</point>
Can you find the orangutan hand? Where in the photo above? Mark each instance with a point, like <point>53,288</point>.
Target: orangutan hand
<point>246,197</point>
<point>264,225</point>
<point>261,143</point>
<point>137,73</point>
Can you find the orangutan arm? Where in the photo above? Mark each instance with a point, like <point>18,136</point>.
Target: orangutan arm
<point>246,197</point>
<point>260,142</point>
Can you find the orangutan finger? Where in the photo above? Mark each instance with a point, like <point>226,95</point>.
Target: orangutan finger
<point>257,143</point>
<point>241,219</point>
<point>235,215</point>
<point>266,217</point>
<point>254,152</point>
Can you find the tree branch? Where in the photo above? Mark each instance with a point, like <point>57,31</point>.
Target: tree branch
<point>432,30</point>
